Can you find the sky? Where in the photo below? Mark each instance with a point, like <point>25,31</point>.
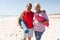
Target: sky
<point>15,7</point>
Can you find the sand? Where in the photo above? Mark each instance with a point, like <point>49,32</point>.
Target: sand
<point>9,29</point>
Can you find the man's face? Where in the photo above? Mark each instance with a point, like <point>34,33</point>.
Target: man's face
<point>29,7</point>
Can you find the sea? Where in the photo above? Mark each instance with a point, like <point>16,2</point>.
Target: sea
<point>6,17</point>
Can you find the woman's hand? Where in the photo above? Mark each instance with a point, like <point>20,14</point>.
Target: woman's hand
<point>46,23</point>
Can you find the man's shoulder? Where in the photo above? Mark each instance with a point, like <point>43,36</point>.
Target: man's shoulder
<point>32,12</point>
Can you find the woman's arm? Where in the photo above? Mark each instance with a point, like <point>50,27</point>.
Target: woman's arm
<point>45,17</point>
<point>45,21</point>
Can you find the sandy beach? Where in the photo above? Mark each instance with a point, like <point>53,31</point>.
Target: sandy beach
<point>9,29</point>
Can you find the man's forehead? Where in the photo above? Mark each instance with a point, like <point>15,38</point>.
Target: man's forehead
<point>28,4</point>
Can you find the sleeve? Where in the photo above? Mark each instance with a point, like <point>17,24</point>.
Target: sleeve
<point>45,15</point>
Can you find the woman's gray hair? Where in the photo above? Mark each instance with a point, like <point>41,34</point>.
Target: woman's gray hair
<point>36,4</point>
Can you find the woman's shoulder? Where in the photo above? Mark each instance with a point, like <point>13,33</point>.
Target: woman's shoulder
<point>43,11</point>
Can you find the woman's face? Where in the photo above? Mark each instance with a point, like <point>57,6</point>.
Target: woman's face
<point>37,8</point>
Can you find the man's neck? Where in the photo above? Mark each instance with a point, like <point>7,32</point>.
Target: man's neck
<point>28,10</point>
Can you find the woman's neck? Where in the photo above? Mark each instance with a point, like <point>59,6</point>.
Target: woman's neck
<point>39,11</point>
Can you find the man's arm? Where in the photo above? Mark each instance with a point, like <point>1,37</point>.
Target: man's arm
<point>20,17</point>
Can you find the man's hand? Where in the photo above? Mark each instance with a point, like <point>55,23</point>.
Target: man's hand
<point>21,27</point>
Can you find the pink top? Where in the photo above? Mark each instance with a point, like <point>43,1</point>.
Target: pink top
<point>39,26</point>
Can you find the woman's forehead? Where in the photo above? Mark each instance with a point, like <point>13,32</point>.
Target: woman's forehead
<point>37,5</point>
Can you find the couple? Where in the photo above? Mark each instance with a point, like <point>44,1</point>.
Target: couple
<point>33,21</point>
